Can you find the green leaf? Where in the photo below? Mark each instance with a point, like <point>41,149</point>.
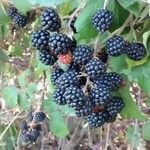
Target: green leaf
<point>146,131</point>
<point>3,17</point>
<point>146,40</point>
<point>22,78</point>
<point>57,124</point>
<point>23,5</point>
<point>10,95</point>
<point>67,110</point>
<point>31,89</point>
<point>3,56</point>
<point>133,136</point>
<point>130,110</point>
<point>23,101</point>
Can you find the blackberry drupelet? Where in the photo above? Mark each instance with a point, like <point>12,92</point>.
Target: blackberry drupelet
<point>74,96</point>
<point>96,119</point>
<point>100,96</point>
<point>40,39</point>
<point>59,97</point>
<point>34,134</point>
<point>94,68</point>
<point>39,116</point>
<point>115,106</point>
<point>115,46</point>
<point>23,125</point>
<point>81,54</point>
<point>50,20</point>
<point>68,78</point>
<point>112,80</point>
<point>47,58</point>
<point>56,73</point>
<point>102,20</point>
<point>12,12</point>
<point>60,43</point>
<point>20,20</point>
<point>135,51</point>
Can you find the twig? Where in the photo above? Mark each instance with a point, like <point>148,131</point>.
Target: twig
<point>105,4</point>
<point>9,125</point>
<point>87,83</point>
<point>107,136</point>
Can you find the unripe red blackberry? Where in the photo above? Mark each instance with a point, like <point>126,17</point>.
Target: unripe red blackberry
<point>102,20</point>
<point>60,43</point>
<point>81,54</point>
<point>94,68</point>
<point>40,39</point>
<point>65,58</point>
<point>47,58</point>
<point>50,20</point>
<point>135,51</point>
<point>74,96</point>
<point>115,46</point>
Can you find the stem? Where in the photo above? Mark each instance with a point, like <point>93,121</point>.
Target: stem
<point>105,4</point>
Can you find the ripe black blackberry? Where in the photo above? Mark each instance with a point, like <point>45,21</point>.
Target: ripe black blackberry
<point>103,56</point>
<point>81,54</point>
<point>135,51</point>
<point>75,67</point>
<point>59,97</point>
<point>108,117</point>
<point>84,110</point>
<point>23,125</point>
<point>39,116</point>
<point>60,43</point>
<point>12,12</point>
<point>20,20</point>
<point>115,106</point>
<point>68,78</point>
<point>115,46</point>
<point>96,119</point>
<point>112,80</point>
<point>56,73</point>
<point>74,96</point>
<point>50,20</point>
<point>100,96</point>
<point>24,137</point>
<point>94,68</point>
<point>39,39</point>
<point>34,134</point>
<point>47,58</point>
<point>102,20</point>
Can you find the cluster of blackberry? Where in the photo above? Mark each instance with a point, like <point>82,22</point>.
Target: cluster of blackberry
<point>52,46</point>
<point>116,45</point>
<point>19,19</point>
<point>30,130</point>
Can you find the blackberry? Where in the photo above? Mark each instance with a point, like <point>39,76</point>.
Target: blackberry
<point>40,39</point>
<point>115,106</point>
<point>12,12</point>
<point>39,116</point>
<point>68,78</point>
<point>34,134</point>
<point>72,25</point>
<point>108,117</point>
<point>115,46</point>
<point>56,73</point>
<point>25,138</point>
<point>20,20</point>
<point>102,20</point>
<point>30,116</point>
<point>94,68</point>
<point>47,58</point>
<point>96,119</point>
<point>85,110</point>
<point>112,80</point>
<point>74,96</point>
<point>81,54</point>
<point>50,20</point>
<point>103,56</point>
<point>135,51</point>
<point>23,125</point>
<point>60,43</point>
<point>58,96</point>
<point>100,96</point>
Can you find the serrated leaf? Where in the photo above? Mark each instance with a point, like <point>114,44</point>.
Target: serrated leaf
<point>130,110</point>
<point>57,124</point>
<point>23,5</point>
<point>146,131</point>
<point>10,95</point>
<point>23,101</point>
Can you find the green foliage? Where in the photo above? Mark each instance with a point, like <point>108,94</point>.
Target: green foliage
<point>146,131</point>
